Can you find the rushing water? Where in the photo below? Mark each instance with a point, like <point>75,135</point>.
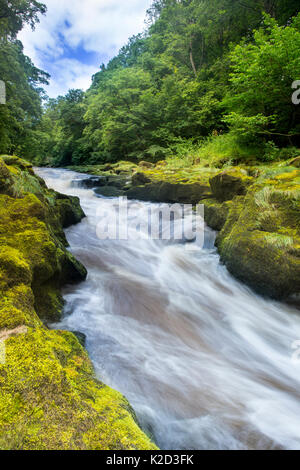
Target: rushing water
<point>205,362</point>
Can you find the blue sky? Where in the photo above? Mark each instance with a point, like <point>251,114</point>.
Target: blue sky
<point>76,36</point>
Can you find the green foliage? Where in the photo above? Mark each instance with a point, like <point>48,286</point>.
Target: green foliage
<point>19,117</point>
<point>263,70</point>
<point>196,72</point>
<point>189,76</point>
<point>15,13</point>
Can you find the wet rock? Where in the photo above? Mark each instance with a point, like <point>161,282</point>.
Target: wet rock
<point>216,213</point>
<point>80,336</point>
<point>70,210</point>
<point>144,164</point>
<point>90,183</point>
<point>261,247</point>
<point>118,182</point>
<point>47,376</point>
<point>228,184</point>
<point>35,256</point>
<point>109,191</point>
<point>170,193</point>
<point>138,179</point>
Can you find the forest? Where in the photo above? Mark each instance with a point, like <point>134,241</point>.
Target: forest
<point>206,77</point>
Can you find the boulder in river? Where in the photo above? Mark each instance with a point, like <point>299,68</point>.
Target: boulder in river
<point>138,179</point>
<point>109,191</point>
<point>170,193</point>
<point>90,183</point>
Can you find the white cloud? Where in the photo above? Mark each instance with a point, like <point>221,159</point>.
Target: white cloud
<point>97,26</point>
<point>69,73</point>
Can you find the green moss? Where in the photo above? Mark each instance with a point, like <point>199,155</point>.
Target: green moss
<point>49,396</point>
<point>31,232</point>
<point>259,242</point>
<point>14,270</point>
<point>50,399</point>
<point>216,213</point>
<point>230,183</point>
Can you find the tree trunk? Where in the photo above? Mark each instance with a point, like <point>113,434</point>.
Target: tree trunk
<point>192,60</point>
<point>269,7</point>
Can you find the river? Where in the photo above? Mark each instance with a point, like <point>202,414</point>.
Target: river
<point>205,362</point>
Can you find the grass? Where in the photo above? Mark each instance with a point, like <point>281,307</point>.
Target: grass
<point>279,241</point>
<point>226,150</point>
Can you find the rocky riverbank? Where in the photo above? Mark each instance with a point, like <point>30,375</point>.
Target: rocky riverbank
<point>49,396</point>
<point>256,210</point>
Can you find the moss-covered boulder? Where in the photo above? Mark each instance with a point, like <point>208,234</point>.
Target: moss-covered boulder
<point>170,193</point>
<point>229,183</point>
<point>216,213</point>
<point>51,400</point>
<point>109,191</point>
<point>6,180</point>
<point>145,164</point>
<point>260,241</point>
<point>139,179</point>
<point>69,208</point>
<point>49,396</point>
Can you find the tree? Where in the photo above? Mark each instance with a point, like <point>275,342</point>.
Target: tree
<point>19,117</point>
<point>259,99</point>
<point>14,14</point>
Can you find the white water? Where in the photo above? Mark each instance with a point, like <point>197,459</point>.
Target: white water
<point>205,362</point>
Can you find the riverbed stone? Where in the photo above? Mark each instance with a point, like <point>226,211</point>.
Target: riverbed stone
<point>109,191</point>
<point>170,193</point>
<point>139,179</point>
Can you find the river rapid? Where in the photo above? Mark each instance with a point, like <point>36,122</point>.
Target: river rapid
<point>203,360</point>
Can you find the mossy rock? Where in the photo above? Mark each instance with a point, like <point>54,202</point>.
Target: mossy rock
<point>117,181</point>
<point>229,183</point>
<point>170,193</point>
<point>138,179</point>
<point>216,213</point>
<point>109,191</point>
<point>49,396</point>
<point>6,180</point>
<point>260,241</point>
<point>16,161</point>
<point>254,258</point>
<point>70,210</point>
<point>144,164</point>
<point>32,243</point>
<point>51,400</point>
